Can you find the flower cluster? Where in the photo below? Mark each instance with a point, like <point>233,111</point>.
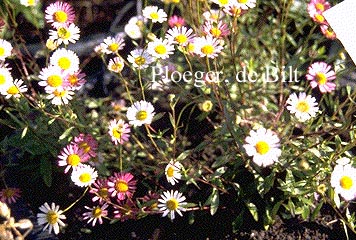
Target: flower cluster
<point>174,122</point>
<point>315,10</point>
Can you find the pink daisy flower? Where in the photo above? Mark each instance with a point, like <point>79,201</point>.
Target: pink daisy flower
<point>87,143</point>
<point>60,14</point>
<point>176,21</point>
<point>72,157</point>
<point>119,131</point>
<point>100,189</point>
<point>127,210</point>
<point>320,74</point>
<point>327,31</point>
<point>316,8</point>
<point>217,30</point>
<point>95,214</point>
<point>74,81</point>
<point>10,195</point>
<point>122,185</point>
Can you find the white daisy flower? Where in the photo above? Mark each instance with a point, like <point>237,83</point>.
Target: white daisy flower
<point>113,45</point>
<point>29,3</point>
<point>160,48</point>
<point>207,46</point>
<point>119,131</point>
<point>222,3</point>
<point>303,106</point>
<point>244,4</point>
<point>139,58</point>
<point>5,49</point>
<point>213,15</point>
<point>263,146</point>
<point>67,60</point>
<point>343,180</point>
<point>84,175</point>
<point>116,64</point>
<point>180,35</point>
<point>155,14</point>
<point>60,96</point>
<point>171,202</point>
<point>172,172</point>
<point>65,34</point>
<point>52,78</point>
<point>6,80</point>
<point>140,113</point>
<point>133,31</point>
<point>96,214</point>
<point>51,216</point>
<point>16,89</point>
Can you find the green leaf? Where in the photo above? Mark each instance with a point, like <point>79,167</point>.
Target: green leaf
<point>213,201</point>
<point>316,211</point>
<point>305,212</point>
<point>66,133</point>
<point>46,171</point>
<point>24,132</point>
<point>253,210</point>
<point>183,155</point>
<point>237,223</point>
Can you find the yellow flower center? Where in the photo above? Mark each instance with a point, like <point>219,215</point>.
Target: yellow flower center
<point>181,38</point>
<point>117,132</point>
<point>160,49</point>
<point>60,16</point>
<point>13,90</point>
<point>320,7</point>
<point>346,182</point>
<point>64,63</point>
<point>121,186</point>
<point>262,147</point>
<point>73,79</point>
<point>117,67</point>
<point>320,18</point>
<point>9,192</point>
<point>113,47</point>
<point>191,47</point>
<point>97,212</point>
<point>242,1</point>
<point>52,217</point>
<point>141,115</point>
<point>215,32</point>
<point>207,106</point>
<point>59,93</point>
<point>172,204</point>
<point>321,78</point>
<point>223,2</point>
<point>73,160</point>
<point>2,51</point>
<point>85,146</point>
<point>207,50</point>
<point>31,2</point>
<point>170,172</point>
<point>54,81</point>
<point>140,60</point>
<point>103,192</point>
<point>2,79</point>
<point>63,33</point>
<point>154,15</point>
<point>85,177</point>
<point>303,106</point>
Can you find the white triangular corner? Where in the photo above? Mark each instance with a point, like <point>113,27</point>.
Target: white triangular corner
<point>342,19</point>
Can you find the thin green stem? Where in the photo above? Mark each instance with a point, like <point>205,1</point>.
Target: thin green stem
<point>76,201</point>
